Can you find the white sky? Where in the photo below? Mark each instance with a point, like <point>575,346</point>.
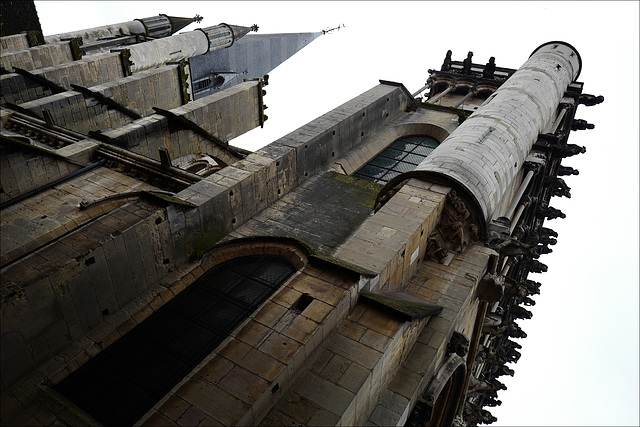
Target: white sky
<point>579,363</point>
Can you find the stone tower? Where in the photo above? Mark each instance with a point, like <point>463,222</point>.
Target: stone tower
<point>369,267</point>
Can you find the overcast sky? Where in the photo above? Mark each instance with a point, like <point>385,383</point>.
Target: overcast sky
<point>579,363</point>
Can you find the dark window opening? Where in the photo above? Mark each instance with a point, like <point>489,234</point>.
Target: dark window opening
<point>202,84</point>
<point>123,382</point>
<point>403,155</point>
<point>302,303</point>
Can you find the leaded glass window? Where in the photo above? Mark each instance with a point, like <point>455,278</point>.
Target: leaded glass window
<point>124,381</point>
<point>401,156</point>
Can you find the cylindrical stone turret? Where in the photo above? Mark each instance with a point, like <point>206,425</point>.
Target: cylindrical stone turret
<point>181,46</point>
<point>155,26</point>
<point>487,151</point>
<point>93,34</point>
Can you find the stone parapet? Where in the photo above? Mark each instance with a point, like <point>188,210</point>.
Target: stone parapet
<point>14,43</point>
<point>46,55</point>
<point>89,71</point>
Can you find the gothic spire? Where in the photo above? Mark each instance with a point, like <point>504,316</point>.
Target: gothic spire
<point>178,23</point>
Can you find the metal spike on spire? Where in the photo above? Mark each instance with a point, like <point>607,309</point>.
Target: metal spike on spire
<point>332,29</point>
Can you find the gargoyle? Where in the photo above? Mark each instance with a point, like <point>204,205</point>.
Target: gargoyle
<point>568,150</point>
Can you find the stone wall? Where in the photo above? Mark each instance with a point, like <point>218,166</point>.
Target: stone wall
<point>141,92</point>
<point>87,72</point>
<point>41,169</point>
<point>14,42</point>
<point>36,57</point>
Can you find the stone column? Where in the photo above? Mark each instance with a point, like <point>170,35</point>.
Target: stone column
<point>93,34</point>
<point>181,46</point>
<point>487,151</point>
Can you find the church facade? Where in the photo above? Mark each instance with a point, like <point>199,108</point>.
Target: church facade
<point>368,268</point>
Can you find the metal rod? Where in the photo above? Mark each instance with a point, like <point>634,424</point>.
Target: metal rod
<point>440,95</point>
<point>561,115</point>
<point>420,91</point>
<point>516,218</point>
<point>467,96</point>
<point>518,196</point>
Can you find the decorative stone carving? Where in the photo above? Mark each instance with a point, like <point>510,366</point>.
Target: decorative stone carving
<point>491,402</point>
<point>489,68</point>
<point>548,232</point>
<point>508,329</point>
<point>589,100</point>
<point>466,64</point>
<point>458,344</point>
<point>567,170</point>
<point>568,150</point>
<point>534,266</point>
<point>550,213</point>
<point>474,415</point>
<point>579,124</point>
<point>446,65</point>
<point>532,286</point>
<point>455,230</point>
<point>518,312</point>
<point>389,194</point>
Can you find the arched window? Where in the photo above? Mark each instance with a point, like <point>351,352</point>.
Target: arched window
<point>401,156</point>
<point>124,381</point>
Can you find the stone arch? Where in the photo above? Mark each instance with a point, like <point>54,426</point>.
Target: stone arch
<point>237,279</point>
<point>295,251</point>
<point>445,391</point>
<point>373,145</point>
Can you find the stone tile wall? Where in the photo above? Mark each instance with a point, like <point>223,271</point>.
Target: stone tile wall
<point>390,247</point>
<point>236,110</point>
<point>41,169</point>
<point>140,92</point>
<point>87,72</point>
<point>453,288</point>
<point>13,43</point>
<point>36,57</point>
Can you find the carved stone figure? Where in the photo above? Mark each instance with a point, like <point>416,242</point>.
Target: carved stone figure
<point>567,170</point>
<point>560,192</point>
<point>446,65</point>
<point>532,286</point>
<point>492,402</point>
<point>579,124</point>
<point>535,266</point>
<point>514,290</point>
<point>510,329</point>
<point>489,68</point>
<point>455,230</point>
<point>557,183</point>
<point>543,249</point>
<point>458,344</point>
<point>466,64</point>
<point>551,213</point>
<point>474,415</point>
<point>590,100</point>
<point>518,312</point>
<point>568,150</point>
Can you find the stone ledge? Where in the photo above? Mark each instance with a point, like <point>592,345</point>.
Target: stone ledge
<point>402,304</point>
